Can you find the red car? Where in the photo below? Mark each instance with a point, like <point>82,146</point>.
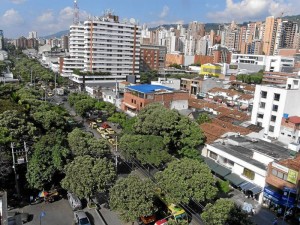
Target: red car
<point>105,125</point>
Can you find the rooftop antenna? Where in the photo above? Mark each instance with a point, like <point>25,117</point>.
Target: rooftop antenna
<point>76,13</point>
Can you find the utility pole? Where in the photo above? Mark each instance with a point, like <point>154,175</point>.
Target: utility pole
<point>55,84</point>
<point>116,154</point>
<point>31,76</point>
<point>14,167</point>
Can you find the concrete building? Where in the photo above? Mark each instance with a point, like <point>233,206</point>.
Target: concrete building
<point>168,82</point>
<point>213,70</point>
<point>271,103</point>
<point>1,40</point>
<point>277,77</point>
<point>138,96</point>
<point>32,34</point>
<point>290,132</point>
<point>279,64</point>
<point>249,62</point>
<point>152,57</point>
<point>282,184</point>
<point>269,36</point>
<point>104,44</point>
<point>3,55</point>
<point>243,161</point>
<point>65,42</point>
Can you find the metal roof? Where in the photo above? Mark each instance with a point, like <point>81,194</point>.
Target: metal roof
<point>148,88</point>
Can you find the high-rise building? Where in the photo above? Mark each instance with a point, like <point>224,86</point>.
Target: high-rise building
<point>270,36</point>
<point>289,31</point>
<point>65,42</point>
<point>152,57</point>
<point>1,40</point>
<point>104,44</point>
<point>32,34</point>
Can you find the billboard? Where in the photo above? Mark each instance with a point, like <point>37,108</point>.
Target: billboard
<point>292,176</point>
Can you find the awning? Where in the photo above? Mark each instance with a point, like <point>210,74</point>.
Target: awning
<point>248,186</point>
<point>234,179</point>
<point>211,163</point>
<point>221,170</point>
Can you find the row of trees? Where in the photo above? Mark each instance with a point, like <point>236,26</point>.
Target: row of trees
<point>254,78</point>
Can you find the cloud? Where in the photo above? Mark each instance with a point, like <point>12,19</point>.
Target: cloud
<point>10,18</point>
<point>50,22</point>
<point>252,10</point>
<point>46,17</point>
<point>164,12</point>
<point>17,1</point>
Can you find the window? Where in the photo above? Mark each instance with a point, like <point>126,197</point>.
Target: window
<point>275,108</point>
<point>279,174</point>
<point>271,128</point>
<point>276,97</point>
<point>249,174</point>
<point>273,118</point>
<point>213,155</point>
<point>261,116</point>
<point>262,105</point>
<point>264,94</point>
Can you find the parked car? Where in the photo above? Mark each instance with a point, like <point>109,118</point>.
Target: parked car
<point>105,135</point>
<point>74,201</point>
<point>81,218</point>
<point>99,120</point>
<point>112,141</point>
<point>110,130</point>
<point>105,125</point>
<point>101,130</point>
<point>93,125</point>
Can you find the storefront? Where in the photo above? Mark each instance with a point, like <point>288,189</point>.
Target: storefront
<point>274,197</point>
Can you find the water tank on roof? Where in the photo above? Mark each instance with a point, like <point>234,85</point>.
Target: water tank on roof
<point>285,115</point>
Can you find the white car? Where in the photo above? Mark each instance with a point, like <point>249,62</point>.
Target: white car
<point>81,218</point>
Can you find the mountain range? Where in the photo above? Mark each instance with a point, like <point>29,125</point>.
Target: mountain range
<point>208,26</point>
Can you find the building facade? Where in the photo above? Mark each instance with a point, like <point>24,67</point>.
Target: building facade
<point>271,103</point>
<point>152,57</point>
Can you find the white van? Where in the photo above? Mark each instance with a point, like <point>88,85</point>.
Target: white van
<point>74,201</point>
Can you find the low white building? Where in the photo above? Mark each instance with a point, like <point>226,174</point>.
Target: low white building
<point>243,161</point>
<point>3,55</point>
<point>277,63</point>
<point>112,97</point>
<point>271,103</point>
<point>168,82</point>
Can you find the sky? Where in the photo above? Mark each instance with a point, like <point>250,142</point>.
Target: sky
<point>18,17</point>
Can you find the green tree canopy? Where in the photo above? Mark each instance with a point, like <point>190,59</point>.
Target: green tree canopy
<point>177,131</point>
<point>148,149</point>
<point>203,118</point>
<point>185,179</point>
<point>49,157</point>
<point>84,105</point>
<point>132,198</point>
<point>75,97</point>
<point>224,212</point>
<point>83,143</point>
<point>106,106</point>
<point>86,175</point>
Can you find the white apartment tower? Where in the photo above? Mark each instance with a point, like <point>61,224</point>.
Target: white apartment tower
<point>271,103</point>
<point>104,44</point>
<point>32,34</point>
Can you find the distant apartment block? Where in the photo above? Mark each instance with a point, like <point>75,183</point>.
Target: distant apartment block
<point>152,57</point>
<point>1,40</point>
<point>32,34</point>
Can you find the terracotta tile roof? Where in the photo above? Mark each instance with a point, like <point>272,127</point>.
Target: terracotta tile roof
<point>228,91</point>
<point>249,88</point>
<point>246,96</point>
<point>217,128</point>
<point>223,110</point>
<point>291,163</point>
<point>294,119</point>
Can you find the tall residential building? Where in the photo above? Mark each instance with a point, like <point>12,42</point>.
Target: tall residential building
<point>271,103</point>
<point>270,32</point>
<point>152,57</point>
<point>104,44</point>
<point>1,40</point>
<point>32,34</point>
<point>289,31</point>
<point>65,42</point>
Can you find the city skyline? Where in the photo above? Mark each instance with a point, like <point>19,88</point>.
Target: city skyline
<point>18,17</point>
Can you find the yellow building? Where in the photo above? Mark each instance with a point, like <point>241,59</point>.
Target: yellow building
<point>211,70</point>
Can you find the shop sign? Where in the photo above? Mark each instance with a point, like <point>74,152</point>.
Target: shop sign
<point>292,176</point>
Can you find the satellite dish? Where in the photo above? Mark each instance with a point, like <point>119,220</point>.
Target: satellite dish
<point>132,21</point>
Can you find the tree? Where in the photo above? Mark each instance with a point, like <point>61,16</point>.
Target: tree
<point>177,131</point>
<point>83,143</point>
<point>203,118</point>
<point>106,106</point>
<point>148,149</point>
<point>48,158</point>
<point>86,175</point>
<point>132,197</point>
<point>224,212</point>
<point>185,179</point>
<point>84,105</point>
<point>75,97</point>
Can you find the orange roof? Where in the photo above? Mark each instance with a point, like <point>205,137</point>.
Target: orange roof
<point>246,96</point>
<point>217,128</point>
<point>228,91</point>
<point>294,119</point>
<point>291,163</point>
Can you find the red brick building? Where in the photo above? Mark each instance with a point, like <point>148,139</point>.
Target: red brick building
<point>152,57</point>
<point>138,96</point>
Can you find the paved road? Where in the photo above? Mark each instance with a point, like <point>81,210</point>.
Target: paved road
<point>56,213</point>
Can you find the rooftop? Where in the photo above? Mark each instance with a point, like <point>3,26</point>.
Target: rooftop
<point>245,148</point>
<point>149,88</point>
<point>294,119</point>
